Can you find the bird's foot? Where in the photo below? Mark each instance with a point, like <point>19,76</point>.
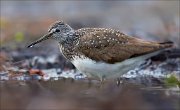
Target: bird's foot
<point>101,82</point>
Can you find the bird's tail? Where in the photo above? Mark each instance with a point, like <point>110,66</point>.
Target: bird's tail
<point>166,44</point>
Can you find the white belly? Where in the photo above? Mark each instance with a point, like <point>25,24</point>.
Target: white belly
<point>103,70</point>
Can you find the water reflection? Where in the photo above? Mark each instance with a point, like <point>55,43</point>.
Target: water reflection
<point>68,94</point>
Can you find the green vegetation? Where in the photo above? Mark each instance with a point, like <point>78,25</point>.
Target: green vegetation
<point>19,37</point>
<point>172,81</point>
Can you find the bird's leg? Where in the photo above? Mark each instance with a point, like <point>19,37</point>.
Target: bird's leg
<point>64,79</point>
<point>89,82</point>
<point>72,80</point>
<point>119,81</point>
<point>102,79</point>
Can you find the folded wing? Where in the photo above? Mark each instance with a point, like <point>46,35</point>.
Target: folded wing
<point>112,46</point>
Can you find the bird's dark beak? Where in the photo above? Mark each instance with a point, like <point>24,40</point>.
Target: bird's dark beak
<point>43,38</point>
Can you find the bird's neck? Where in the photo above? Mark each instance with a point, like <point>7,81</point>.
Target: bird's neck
<point>70,39</point>
<point>68,46</point>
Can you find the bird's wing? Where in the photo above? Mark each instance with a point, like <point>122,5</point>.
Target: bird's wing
<point>112,46</point>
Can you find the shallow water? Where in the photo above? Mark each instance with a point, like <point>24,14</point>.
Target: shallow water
<point>79,94</point>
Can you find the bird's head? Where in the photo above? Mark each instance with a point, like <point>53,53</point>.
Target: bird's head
<point>58,31</point>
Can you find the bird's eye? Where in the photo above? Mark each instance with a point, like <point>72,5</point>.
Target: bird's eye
<point>57,30</point>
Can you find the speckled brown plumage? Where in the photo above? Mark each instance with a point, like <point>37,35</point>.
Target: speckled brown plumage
<point>112,46</point>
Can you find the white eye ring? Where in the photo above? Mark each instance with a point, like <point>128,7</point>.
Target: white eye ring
<point>55,30</point>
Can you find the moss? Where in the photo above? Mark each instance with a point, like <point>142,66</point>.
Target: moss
<point>172,81</point>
